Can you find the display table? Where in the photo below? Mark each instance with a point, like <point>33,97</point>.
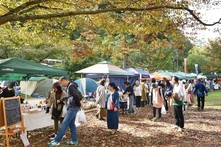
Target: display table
<point>37,120</point>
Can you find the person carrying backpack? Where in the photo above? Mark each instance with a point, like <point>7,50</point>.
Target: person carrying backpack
<point>200,90</point>
<point>73,103</point>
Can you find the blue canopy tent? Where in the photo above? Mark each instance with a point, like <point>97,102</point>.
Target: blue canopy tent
<point>87,86</point>
<point>118,80</point>
<point>140,72</point>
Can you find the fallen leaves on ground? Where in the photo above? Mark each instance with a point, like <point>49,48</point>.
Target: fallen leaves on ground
<point>202,128</point>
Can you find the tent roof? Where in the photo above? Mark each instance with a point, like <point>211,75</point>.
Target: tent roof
<point>160,76</point>
<point>12,76</point>
<point>37,78</point>
<point>137,71</point>
<point>105,68</point>
<point>21,66</point>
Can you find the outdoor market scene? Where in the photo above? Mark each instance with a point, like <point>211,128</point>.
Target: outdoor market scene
<point>104,73</point>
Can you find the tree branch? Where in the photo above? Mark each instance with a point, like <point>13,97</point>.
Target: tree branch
<point>5,19</point>
<point>24,6</point>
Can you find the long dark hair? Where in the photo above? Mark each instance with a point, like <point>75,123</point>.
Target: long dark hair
<point>114,86</point>
<point>127,83</point>
<point>168,83</point>
<point>102,82</point>
<point>58,86</point>
<point>176,79</point>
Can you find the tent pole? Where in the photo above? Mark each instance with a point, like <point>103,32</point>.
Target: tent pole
<point>140,78</point>
<point>26,90</point>
<point>81,85</point>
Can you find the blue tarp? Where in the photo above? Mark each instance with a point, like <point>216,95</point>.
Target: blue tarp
<point>118,80</point>
<point>139,72</point>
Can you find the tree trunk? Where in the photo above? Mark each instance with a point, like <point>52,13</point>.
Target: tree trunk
<point>125,61</point>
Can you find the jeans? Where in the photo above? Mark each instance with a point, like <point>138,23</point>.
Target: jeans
<point>69,121</point>
<point>131,103</point>
<point>199,100</point>
<point>155,111</point>
<point>178,114</point>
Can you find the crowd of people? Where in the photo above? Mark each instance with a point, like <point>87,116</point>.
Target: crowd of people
<point>173,96</point>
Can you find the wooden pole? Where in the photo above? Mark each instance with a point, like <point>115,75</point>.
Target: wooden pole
<point>185,65</point>
<point>6,126</point>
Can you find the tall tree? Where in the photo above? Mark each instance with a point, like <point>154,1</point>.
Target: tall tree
<point>213,51</point>
<point>23,10</point>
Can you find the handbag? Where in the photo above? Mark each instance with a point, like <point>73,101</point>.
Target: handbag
<point>112,106</point>
<point>55,112</point>
<point>163,110</point>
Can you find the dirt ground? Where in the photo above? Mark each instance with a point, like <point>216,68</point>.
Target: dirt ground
<point>202,129</point>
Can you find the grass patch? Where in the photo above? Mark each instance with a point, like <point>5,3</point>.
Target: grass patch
<point>213,98</point>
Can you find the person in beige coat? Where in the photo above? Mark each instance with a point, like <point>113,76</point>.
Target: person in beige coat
<point>100,99</point>
<point>56,105</point>
<point>158,100</point>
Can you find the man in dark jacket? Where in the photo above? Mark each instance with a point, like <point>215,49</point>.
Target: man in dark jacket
<point>73,98</point>
<point>200,90</point>
<point>8,91</point>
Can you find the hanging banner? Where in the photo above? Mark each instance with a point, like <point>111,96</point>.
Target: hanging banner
<point>196,69</point>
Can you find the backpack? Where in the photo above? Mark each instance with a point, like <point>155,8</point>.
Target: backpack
<point>77,97</point>
<point>77,93</point>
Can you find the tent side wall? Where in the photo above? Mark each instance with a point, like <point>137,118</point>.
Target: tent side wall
<point>28,87</point>
<point>43,88</point>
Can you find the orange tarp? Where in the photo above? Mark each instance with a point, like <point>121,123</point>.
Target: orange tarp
<point>159,76</point>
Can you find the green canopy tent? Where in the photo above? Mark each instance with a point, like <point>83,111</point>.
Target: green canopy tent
<point>12,77</point>
<point>20,67</point>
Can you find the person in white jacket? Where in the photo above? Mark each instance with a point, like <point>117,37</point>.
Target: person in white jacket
<point>100,99</point>
<point>138,93</point>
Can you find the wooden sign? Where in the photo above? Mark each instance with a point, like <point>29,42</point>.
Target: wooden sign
<point>13,111</point>
<point>10,116</point>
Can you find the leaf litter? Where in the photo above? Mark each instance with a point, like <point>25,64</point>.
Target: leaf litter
<point>202,128</point>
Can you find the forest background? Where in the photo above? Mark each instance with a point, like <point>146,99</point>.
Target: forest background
<point>146,34</point>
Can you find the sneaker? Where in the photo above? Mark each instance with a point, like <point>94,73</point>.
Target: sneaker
<point>175,127</point>
<point>53,143</point>
<point>53,137</point>
<point>64,137</point>
<point>180,130</point>
<point>154,119</point>
<point>72,143</point>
